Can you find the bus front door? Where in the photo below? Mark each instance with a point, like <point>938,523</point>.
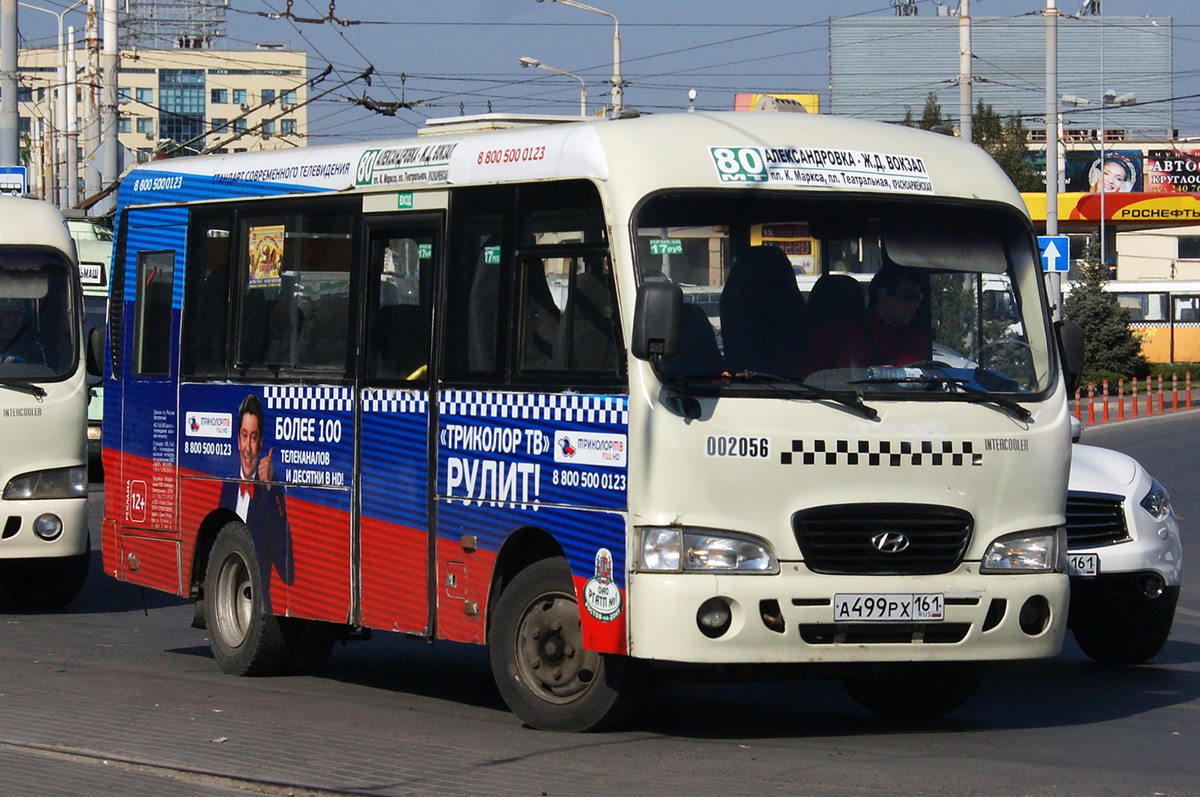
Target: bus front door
<point>395,564</point>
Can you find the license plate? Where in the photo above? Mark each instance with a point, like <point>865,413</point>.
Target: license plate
<point>885,607</point>
<point>1083,564</point>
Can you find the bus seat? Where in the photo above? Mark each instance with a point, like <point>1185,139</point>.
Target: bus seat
<point>1187,315</point>
<point>762,313</point>
<point>595,335</point>
<point>834,296</point>
<point>699,354</point>
<point>541,348</point>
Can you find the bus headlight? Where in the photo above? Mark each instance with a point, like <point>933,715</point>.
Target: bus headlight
<point>44,484</point>
<point>1035,551</point>
<point>674,550</point>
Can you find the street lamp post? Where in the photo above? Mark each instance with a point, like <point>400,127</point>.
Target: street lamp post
<point>618,84</point>
<point>64,85</point>
<point>527,61</point>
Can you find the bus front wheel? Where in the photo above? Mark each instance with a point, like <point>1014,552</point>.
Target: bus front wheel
<point>538,660</point>
<point>245,638</point>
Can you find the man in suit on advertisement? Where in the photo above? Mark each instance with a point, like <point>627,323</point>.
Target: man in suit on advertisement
<point>258,501</point>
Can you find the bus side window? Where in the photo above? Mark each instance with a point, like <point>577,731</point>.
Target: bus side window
<point>400,318</point>
<point>152,313</point>
<point>206,314</point>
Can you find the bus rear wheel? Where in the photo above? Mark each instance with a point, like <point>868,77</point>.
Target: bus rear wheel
<point>245,638</point>
<point>538,660</point>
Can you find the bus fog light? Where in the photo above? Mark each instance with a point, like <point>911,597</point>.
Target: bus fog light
<point>1152,585</point>
<point>1035,615</point>
<point>48,527</point>
<point>714,617</point>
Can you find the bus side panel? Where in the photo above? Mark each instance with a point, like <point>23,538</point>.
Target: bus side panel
<point>141,406</point>
<point>546,462</point>
<point>300,521</point>
<point>394,519</point>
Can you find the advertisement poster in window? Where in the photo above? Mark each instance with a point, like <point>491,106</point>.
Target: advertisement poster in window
<point>266,255</point>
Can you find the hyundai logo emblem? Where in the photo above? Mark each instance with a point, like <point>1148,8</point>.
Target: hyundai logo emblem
<point>890,542</point>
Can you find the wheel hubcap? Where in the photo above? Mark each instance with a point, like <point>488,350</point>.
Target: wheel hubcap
<point>550,654</point>
<point>234,601</point>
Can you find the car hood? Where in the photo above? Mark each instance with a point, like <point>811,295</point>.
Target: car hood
<point>1100,469</point>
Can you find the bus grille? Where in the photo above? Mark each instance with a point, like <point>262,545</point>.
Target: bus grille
<point>844,539</point>
<point>1095,519</point>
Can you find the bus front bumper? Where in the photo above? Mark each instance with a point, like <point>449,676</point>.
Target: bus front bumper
<point>19,521</point>
<point>789,618</point>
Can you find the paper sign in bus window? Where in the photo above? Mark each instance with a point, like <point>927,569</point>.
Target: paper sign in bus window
<point>266,256</point>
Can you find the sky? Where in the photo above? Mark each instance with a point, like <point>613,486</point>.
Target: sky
<point>448,57</point>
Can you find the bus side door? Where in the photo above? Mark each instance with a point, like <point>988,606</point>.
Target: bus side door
<point>394,517</point>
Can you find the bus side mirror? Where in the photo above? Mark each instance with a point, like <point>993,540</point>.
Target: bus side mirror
<point>656,321</point>
<point>95,351</point>
<point>1070,347</point>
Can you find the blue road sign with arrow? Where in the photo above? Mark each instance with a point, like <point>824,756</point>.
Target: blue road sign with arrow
<point>1055,251</point>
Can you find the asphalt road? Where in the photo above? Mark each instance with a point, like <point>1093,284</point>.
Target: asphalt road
<point>116,694</point>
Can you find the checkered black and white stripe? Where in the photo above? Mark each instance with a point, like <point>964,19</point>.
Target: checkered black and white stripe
<point>880,453</point>
<point>569,408</point>
<point>414,402</point>
<point>303,397</point>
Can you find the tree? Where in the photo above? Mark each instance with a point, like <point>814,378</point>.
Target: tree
<point>1005,141</point>
<point>1108,342</point>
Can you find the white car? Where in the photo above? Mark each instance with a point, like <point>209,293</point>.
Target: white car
<point>1124,557</point>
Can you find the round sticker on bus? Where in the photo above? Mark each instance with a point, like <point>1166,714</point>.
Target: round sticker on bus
<point>601,595</point>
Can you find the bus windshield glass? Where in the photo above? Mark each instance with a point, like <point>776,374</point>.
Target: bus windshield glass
<point>37,316</point>
<point>899,299</point>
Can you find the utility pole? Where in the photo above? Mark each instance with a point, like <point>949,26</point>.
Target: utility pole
<point>109,169</point>
<point>91,106</point>
<point>9,150</point>
<point>1055,279</point>
<point>70,136</point>
<point>964,71</point>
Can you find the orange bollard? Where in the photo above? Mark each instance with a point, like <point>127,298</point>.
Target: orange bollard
<point>1149,395</point>
<point>1121,399</point>
<point>1160,394</point>
<point>1174,392</point>
<point>1187,390</point>
<point>1133,407</point>
<point>1077,408</point>
<point>1104,405</point>
<point>1091,403</point>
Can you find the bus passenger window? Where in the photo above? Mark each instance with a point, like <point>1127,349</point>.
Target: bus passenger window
<point>295,291</point>
<point>152,313</point>
<point>206,308</point>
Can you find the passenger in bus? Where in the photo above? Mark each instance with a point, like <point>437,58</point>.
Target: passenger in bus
<point>19,339</point>
<point>254,497</point>
<point>884,336</point>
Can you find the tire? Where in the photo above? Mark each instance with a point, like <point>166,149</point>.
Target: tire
<point>50,583</point>
<point>915,691</point>
<point>244,638</point>
<point>544,674</point>
<point>1126,637</point>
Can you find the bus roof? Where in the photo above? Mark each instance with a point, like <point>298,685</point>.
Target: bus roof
<point>685,150</point>
<point>33,222</point>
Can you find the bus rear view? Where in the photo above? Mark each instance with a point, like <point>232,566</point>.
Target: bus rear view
<point>44,546</point>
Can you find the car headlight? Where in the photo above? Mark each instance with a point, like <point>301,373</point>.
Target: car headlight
<point>1157,502</point>
<point>45,484</point>
<point>1026,552</point>
<point>674,550</point>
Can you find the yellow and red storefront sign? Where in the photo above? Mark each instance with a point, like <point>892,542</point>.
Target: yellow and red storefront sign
<point>1134,208</point>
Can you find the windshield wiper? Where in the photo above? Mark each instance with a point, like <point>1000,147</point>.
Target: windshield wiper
<point>790,387</point>
<point>26,387</point>
<point>973,394</point>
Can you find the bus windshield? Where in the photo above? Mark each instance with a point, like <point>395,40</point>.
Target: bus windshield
<point>37,317</point>
<point>903,299</point>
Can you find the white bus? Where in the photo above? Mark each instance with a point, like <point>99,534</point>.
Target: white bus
<point>93,242</point>
<point>44,547</point>
<point>545,389</point>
